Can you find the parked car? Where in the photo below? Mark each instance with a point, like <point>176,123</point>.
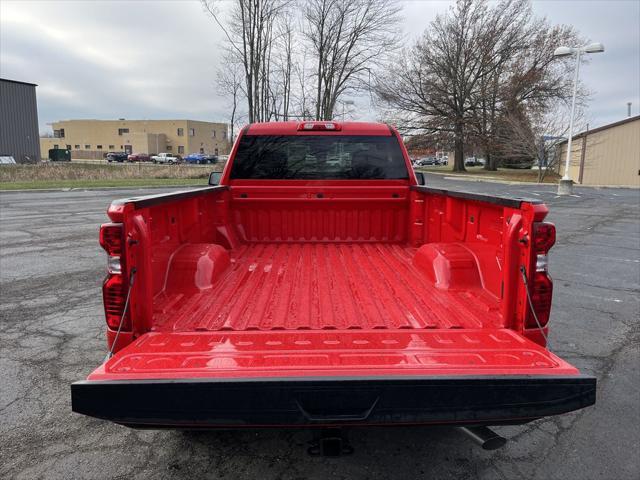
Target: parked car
<point>139,157</point>
<point>116,157</point>
<point>424,161</point>
<point>200,158</point>
<point>281,295</point>
<point>473,162</point>
<point>169,158</point>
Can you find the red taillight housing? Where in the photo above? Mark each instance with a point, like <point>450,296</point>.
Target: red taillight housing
<point>115,286</point>
<point>540,283</point>
<point>114,294</point>
<point>111,238</point>
<point>541,291</point>
<point>544,237</point>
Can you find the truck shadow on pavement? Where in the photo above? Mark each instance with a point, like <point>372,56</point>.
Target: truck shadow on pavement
<point>379,452</point>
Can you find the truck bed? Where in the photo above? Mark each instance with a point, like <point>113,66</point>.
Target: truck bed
<point>314,286</point>
<point>301,291</point>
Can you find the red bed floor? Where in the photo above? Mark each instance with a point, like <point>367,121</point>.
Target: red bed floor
<point>324,286</point>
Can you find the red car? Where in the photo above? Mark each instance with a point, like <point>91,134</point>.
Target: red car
<point>318,282</point>
<point>138,157</point>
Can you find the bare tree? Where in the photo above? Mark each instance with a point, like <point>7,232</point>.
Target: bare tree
<point>282,76</point>
<point>434,83</point>
<point>534,137</point>
<point>347,39</point>
<point>472,64</point>
<point>302,98</point>
<point>529,80</point>
<point>250,33</point>
<point>230,81</point>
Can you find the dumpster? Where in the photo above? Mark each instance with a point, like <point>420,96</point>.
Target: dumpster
<point>59,155</point>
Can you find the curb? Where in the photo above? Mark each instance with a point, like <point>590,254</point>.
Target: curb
<point>474,178</point>
<point>81,189</point>
<point>490,180</point>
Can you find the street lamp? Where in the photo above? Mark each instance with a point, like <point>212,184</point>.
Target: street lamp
<point>565,187</point>
<point>344,103</point>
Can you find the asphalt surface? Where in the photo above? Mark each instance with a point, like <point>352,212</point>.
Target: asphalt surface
<point>52,333</point>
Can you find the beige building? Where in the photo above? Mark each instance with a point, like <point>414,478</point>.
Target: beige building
<point>95,138</point>
<point>609,155</point>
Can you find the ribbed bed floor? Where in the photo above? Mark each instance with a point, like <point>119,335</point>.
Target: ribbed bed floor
<point>324,286</point>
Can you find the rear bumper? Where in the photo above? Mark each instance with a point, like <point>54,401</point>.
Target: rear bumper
<point>225,403</point>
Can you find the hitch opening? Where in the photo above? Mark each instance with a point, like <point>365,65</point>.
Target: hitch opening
<point>330,442</point>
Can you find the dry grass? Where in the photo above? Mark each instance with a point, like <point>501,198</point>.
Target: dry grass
<point>88,175</point>
<point>48,172</point>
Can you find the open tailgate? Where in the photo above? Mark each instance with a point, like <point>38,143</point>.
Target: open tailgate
<point>275,378</point>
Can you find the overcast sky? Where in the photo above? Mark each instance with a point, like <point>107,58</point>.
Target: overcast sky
<point>158,59</point>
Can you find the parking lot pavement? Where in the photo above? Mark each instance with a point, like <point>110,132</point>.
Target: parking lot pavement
<point>51,334</point>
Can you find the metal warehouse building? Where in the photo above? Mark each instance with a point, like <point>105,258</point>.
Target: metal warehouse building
<point>609,155</point>
<point>19,121</point>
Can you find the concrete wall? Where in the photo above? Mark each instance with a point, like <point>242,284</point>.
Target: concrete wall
<point>611,156</point>
<point>19,121</point>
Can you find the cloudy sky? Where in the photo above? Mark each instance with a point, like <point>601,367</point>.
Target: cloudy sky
<point>158,59</point>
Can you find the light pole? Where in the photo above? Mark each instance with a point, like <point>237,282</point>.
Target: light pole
<point>346,102</point>
<point>565,187</point>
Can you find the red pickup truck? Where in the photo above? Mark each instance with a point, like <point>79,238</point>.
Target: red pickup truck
<point>318,282</point>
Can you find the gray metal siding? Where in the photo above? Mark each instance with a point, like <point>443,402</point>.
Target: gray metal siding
<point>19,136</point>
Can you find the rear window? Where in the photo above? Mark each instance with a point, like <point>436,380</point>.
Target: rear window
<point>318,157</point>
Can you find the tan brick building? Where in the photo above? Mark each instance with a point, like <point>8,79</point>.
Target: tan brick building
<point>95,138</point>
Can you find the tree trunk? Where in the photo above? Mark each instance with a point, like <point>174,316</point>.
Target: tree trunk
<point>458,162</point>
<point>490,163</point>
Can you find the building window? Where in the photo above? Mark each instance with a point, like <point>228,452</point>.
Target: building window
<point>201,150</point>
<point>192,132</point>
<point>68,147</point>
<point>87,147</point>
<point>111,147</point>
<point>216,152</point>
<point>181,132</point>
<point>58,133</point>
<point>55,147</point>
<point>213,134</point>
<point>169,147</point>
<point>99,147</point>
<point>121,147</point>
<point>77,147</point>
<point>122,131</point>
<point>180,148</point>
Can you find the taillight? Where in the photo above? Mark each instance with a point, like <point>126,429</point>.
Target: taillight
<point>114,289</point>
<point>541,285</point>
<point>114,293</point>
<point>112,238</point>
<point>544,237</point>
<point>541,291</point>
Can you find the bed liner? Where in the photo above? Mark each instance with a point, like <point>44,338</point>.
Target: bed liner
<point>290,286</point>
